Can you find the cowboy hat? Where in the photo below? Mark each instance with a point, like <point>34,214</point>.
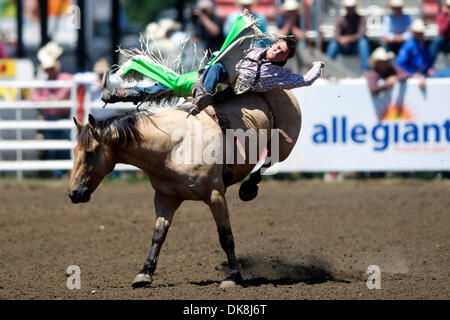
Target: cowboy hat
<point>245,2</point>
<point>290,5</point>
<point>349,3</point>
<point>49,54</point>
<point>447,3</point>
<point>380,54</point>
<point>396,3</point>
<point>101,66</point>
<point>418,26</point>
<point>154,32</point>
<point>168,24</point>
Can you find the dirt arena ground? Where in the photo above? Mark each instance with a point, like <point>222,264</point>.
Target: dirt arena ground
<point>297,240</point>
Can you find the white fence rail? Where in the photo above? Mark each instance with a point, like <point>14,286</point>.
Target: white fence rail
<point>340,119</point>
<point>12,107</point>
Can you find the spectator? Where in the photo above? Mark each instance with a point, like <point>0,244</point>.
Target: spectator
<point>414,56</point>
<point>395,27</point>
<point>349,36</point>
<point>3,52</point>
<point>442,41</point>
<point>207,25</point>
<point>242,5</point>
<point>173,31</point>
<point>383,75</point>
<point>288,22</point>
<point>93,82</point>
<point>166,37</point>
<point>48,57</point>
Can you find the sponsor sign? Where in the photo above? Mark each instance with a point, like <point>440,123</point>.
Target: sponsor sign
<point>345,128</point>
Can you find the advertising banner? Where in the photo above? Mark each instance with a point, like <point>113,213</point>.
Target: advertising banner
<point>345,128</point>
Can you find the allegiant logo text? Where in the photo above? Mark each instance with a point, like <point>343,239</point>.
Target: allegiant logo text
<point>339,131</point>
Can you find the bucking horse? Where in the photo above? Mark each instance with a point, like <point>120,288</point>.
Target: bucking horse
<point>156,141</point>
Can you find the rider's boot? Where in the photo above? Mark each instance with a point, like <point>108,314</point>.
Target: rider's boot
<point>202,100</point>
<point>123,95</point>
<point>113,95</point>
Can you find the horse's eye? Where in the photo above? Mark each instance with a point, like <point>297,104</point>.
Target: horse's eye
<point>89,156</point>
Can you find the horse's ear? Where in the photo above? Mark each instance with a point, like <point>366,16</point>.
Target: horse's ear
<point>92,121</point>
<point>93,128</point>
<point>77,123</point>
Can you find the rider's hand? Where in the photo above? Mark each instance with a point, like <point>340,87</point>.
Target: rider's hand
<point>322,64</point>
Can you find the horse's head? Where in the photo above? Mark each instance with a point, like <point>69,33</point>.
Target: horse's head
<point>93,160</point>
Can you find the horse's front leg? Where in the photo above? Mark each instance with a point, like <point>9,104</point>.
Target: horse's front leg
<point>165,208</point>
<point>219,209</point>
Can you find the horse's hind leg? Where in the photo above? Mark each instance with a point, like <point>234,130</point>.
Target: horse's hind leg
<point>219,209</point>
<point>165,208</point>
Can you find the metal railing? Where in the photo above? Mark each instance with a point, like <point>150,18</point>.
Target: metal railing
<point>80,104</point>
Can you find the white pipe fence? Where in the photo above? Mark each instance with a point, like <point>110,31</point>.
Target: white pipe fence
<point>17,125</point>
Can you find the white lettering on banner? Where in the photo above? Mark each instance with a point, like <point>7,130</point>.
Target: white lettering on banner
<point>406,129</point>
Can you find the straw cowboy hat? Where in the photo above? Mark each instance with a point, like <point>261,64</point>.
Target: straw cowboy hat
<point>290,5</point>
<point>380,54</point>
<point>245,2</point>
<point>153,31</point>
<point>101,66</point>
<point>168,24</point>
<point>349,3</point>
<point>158,31</point>
<point>418,26</point>
<point>396,3</point>
<point>49,54</point>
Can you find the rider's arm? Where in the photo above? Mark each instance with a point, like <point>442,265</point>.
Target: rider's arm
<point>292,80</point>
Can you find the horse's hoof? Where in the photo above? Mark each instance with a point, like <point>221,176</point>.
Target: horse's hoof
<point>228,284</point>
<point>248,191</point>
<point>141,280</point>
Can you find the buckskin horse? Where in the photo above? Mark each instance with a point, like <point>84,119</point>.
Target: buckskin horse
<point>145,140</point>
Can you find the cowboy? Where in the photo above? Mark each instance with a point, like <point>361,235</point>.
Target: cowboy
<point>239,64</point>
<point>50,68</point>
<point>288,22</point>
<point>395,27</point>
<point>260,70</point>
<point>383,75</point>
<point>350,35</point>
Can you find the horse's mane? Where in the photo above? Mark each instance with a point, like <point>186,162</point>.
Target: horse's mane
<point>125,125</point>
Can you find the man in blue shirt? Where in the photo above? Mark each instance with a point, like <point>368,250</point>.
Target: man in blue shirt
<point>395,27</point>
<point>414,56</point>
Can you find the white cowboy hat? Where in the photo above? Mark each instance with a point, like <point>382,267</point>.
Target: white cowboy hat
<point>447,3</point>
<point>349,3</point>
<point>290,5</point>
<point>245,2</point>
<point>396,3</point>
<point>380,54</point>
<point>168,24</point>
<point>418,26</point>
<point>49,54</point>
<point>101,66</point>
<point>154,32</point>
